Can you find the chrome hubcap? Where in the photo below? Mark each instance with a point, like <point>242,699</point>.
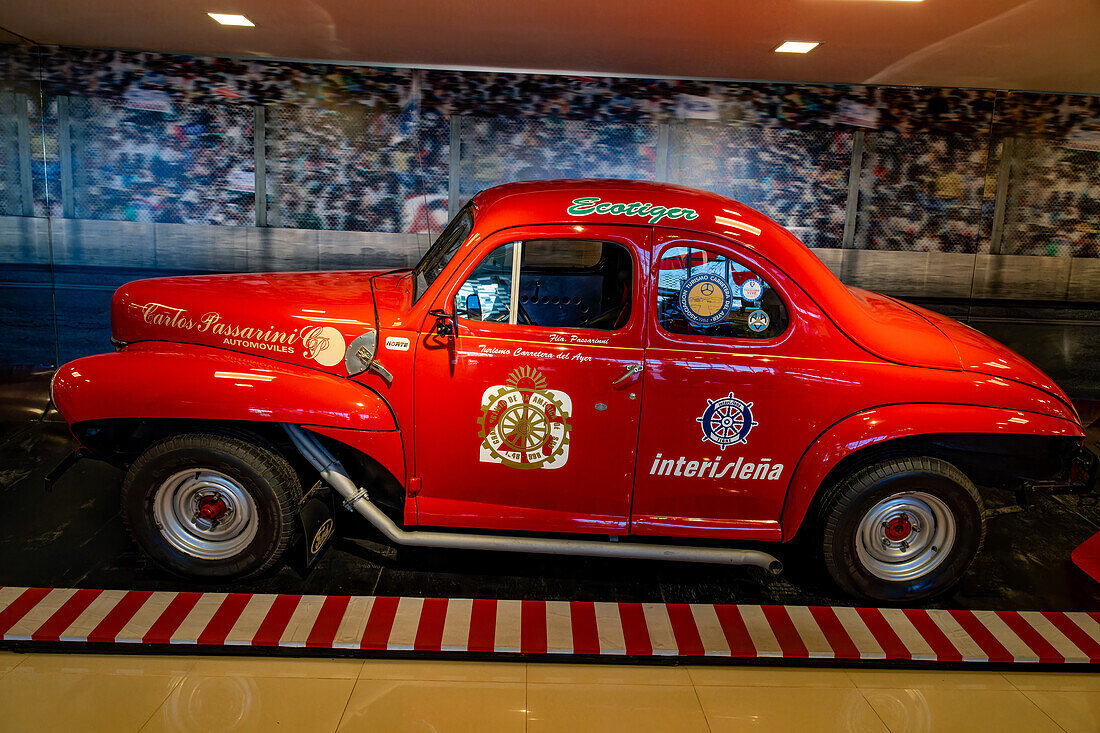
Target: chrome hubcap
<point>905,536</point>
<point>205,514</point>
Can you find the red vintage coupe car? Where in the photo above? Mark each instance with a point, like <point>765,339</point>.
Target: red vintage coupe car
<point>580,367</point>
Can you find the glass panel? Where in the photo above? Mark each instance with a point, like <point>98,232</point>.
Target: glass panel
<point>797,177</point>
<point>700,293</point>
<point>1053,203</point>
<point>925,193</point>
<point>11,198</point>
<point>353,168</point>
<point>503,150</point>
<point>145,157</point>
<point>29,168</point>
<point>45,159</point>
<point>572,283</point>
<point>487,293</point>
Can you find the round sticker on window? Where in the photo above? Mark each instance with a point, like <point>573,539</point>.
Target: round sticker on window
<point>752,289</point>
<point>758,321</point>
<point>705,299</point>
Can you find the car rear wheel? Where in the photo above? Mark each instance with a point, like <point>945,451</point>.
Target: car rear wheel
<point>901,530</point>
<point>209,506</point>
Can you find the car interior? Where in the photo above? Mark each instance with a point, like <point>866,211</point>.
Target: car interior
<point>575,284</point>
<point>563,283</point>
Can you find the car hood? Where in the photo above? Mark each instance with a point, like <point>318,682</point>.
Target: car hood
<point>303,318</point>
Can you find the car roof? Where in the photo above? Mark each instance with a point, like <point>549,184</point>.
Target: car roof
<point>547,202</point>
<point>533,203</point>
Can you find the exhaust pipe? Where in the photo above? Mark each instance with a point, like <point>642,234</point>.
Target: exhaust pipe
<point>357,499</point>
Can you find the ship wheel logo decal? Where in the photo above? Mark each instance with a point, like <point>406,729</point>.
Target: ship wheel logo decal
<point>523,424</point>
<point>727,421</point>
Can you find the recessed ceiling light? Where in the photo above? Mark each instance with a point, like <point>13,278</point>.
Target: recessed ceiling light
<point>229,19</point>
<point>797,46</point>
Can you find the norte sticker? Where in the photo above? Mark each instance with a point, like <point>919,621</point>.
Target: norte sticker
<point>705,298</point>
<point>397,343</point>
<point>758,321</point>
<point>752,289</point>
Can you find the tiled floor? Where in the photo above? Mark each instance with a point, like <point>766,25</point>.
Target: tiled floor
<point>130,693</point>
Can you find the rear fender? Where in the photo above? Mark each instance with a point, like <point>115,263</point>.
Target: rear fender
<point>155,380</point>
<point>894,422</point>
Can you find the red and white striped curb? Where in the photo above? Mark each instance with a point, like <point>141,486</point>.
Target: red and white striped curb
<point>384,623</point>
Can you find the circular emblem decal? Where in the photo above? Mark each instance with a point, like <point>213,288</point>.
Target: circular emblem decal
<point>705,299</point>
<point>523,424</point>
<point>752,289</point>
<point>323,344</point>
<point>727,421</point>
<point>758,321</point>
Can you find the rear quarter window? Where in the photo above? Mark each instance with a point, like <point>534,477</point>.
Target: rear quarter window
<point>704,293</point>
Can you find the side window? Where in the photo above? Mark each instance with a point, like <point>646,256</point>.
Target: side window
<point>563,283</point>
<point>571,283</point>
<point>702,293</point>
<point>487,293</point>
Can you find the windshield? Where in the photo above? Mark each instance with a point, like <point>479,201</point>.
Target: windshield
<point>441,252</point>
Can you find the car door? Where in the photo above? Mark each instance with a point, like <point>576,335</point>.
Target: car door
<point>732,391</point>
<point>527,418</point>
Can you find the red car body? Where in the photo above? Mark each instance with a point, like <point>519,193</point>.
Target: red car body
<point>853,371</point>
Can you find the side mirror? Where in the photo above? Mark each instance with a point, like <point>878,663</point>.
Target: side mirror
<point>445,323</point>
<point>473,307</point>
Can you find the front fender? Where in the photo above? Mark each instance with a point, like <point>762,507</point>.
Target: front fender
<point>183,381</point>
<point>891,422</point>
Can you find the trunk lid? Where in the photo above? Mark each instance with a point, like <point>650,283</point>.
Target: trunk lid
<point>984,355</point>
<point>892,331</point>
<point>908,334</point>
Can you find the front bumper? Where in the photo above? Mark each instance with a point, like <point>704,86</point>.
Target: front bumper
<point>1079,479</point>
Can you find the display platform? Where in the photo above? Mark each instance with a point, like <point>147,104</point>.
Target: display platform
<point>509,627</point>
<point>73,536</point>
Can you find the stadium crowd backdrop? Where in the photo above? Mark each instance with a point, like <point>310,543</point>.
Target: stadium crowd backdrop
<point>253,148</point>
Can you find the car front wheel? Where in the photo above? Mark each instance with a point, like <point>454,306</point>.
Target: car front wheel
<point>210,506</point>
<point>901,530</point>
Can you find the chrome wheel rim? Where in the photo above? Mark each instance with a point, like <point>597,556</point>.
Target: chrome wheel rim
<point>905,536</point>
<point>205,514</point>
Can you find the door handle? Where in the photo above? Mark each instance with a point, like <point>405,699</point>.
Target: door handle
<point>630,371</point>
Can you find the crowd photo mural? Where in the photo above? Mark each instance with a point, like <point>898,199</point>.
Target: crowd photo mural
<point>244,149</point>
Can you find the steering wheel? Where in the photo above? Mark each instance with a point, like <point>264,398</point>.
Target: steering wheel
<point>600,316</point>
<point>522,317</point>
<point>503,317</point>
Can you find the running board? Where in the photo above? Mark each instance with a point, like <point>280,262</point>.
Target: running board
<point>357,499</point>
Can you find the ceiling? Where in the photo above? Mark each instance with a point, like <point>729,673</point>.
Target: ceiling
<point>1046,45</point>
